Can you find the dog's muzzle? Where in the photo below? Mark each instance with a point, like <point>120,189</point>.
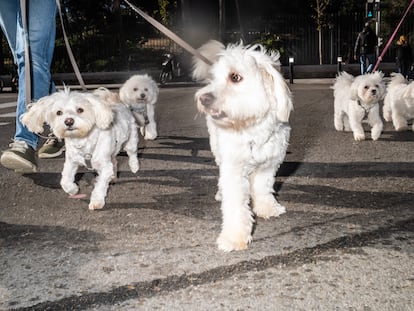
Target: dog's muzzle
<point>69,122</point>
<point>207,99</point>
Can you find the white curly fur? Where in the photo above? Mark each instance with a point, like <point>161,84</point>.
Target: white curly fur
<point>140,93</point>
<point>399,102</point>
<point>247,104</point>
<point>356,98</point>
<point>94,131</point>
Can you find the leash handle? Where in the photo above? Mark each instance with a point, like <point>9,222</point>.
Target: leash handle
<point>170,34</point>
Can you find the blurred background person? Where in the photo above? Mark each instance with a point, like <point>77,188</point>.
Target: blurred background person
<point>403,56</point>
<point>365,46</point>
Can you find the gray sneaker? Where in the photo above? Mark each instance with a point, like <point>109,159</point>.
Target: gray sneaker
<point>52,148</point>
<point>20,158</point>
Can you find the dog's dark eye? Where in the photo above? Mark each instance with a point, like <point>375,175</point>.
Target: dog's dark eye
<point>235,77</point>
<point>59,112</point>
<point>376,85</point>
<point>366,87</point>
<point>79,110</point>
<point>135,89</point>
<point>146,90</point>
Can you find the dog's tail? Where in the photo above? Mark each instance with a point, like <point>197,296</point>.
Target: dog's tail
<point>343,81</point>
<point>210,50</point>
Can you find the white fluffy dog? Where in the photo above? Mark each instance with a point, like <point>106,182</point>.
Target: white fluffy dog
<point>247,105</point>
<point>94,132</point>
<point>356,99</point>
<point>399,102</point>
<point>140,93</point>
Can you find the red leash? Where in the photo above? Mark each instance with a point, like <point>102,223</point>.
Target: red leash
<point>392,37</point>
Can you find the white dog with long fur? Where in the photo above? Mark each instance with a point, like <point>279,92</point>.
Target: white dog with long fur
<point>357,99</point>
<point>94,132</point>
<point>140,93</point>
<point>399,102</point>
<point>247,104</point>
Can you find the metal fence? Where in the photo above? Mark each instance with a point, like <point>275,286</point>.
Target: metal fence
<point>293,35</point>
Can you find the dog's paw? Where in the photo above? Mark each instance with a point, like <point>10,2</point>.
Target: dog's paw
<point>133,164</point>
<point>227,244</point>
<point>93,205</point>
<point>70,188</point>
<point>359,137</point>
<point>150,136</point>
<point>387,117</point>
<point>218,196</point>
<point>375,136</point>
<point>267,209</point>
<point>401,128</point>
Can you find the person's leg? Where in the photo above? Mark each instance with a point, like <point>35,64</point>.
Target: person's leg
<point>371,62</point>
<point>362,61</point>
<point>41,33</point>
<point>8,22</point>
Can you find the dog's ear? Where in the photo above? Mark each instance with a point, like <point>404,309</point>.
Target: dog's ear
<point>278,91</point>
<point>104,116</point>
<point>36,116</point>
<point>154,86</point>
<point>379,76</point>
<point>123,95</point>
<point>354,88</point>
<point>210,50</point>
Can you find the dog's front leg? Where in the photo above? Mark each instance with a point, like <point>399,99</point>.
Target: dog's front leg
<point>237,217</point>
<point>357,129</point>
<point>131,148</point>
<point>263,201</point>
<point>151,127</point>
<point>67,181</point>
<point>105,173</point>
<point>375,121</point>
<point>399,122</point>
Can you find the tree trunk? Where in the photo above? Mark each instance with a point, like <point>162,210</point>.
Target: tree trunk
<point>320,46</point>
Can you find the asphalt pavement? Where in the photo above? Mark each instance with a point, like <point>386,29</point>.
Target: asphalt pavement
<point>346,241</point>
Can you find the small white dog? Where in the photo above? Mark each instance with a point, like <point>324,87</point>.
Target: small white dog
<point>356,99</point>
<point>399,102</point>
<point>94,132</point>
<point>140,93</point>
<point>247,105</point>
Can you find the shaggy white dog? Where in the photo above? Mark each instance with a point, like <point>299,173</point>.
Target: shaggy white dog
<point>94,132</point>
<point>140,93</point>
<point>357,99</point>
<point>399,102</point>
<point>247,105</point>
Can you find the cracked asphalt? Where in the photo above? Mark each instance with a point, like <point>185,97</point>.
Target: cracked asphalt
<point>345,243</point>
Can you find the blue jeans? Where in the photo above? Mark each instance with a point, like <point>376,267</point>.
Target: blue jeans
<point>363,58</point>
<point>41,15</point>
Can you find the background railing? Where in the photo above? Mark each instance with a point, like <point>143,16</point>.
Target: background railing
<point>138,46</point>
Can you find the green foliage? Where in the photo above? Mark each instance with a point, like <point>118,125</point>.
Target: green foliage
<point>321,8</point>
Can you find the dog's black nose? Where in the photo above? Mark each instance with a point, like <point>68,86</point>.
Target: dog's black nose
<point>374,92</point>
<point>69,121</point>
<point>207,99</point>
<point>142,95</point>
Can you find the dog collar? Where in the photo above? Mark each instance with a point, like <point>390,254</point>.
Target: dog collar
<point>366,110</point>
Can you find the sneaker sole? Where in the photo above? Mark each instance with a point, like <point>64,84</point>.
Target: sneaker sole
<point>18,164</point>
<point>43,155</point>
